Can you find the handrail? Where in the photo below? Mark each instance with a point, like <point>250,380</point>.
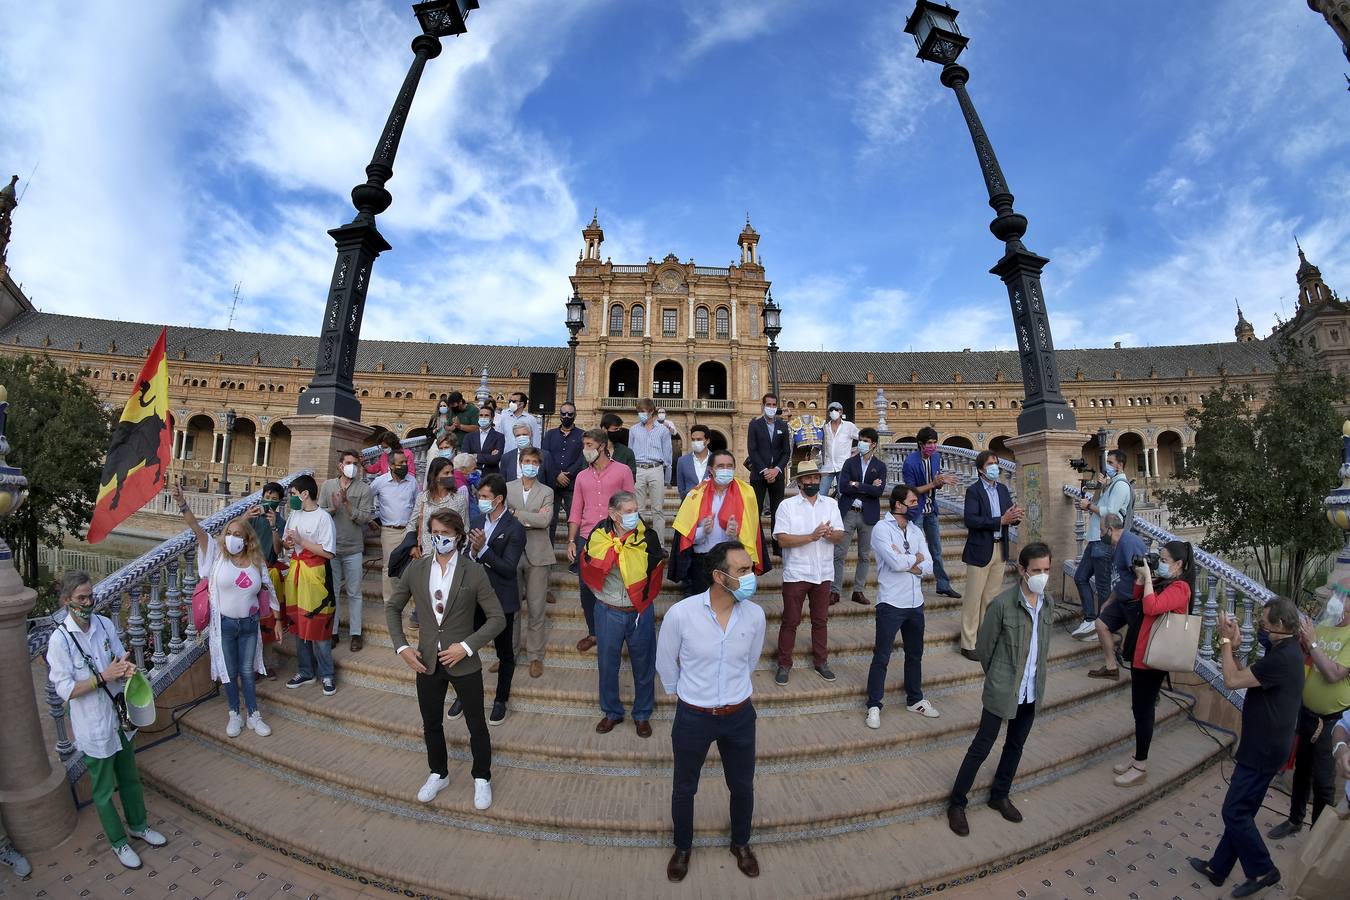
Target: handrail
<point>958,461</point>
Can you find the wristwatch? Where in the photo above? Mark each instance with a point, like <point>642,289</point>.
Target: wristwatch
<point>1225,640</point>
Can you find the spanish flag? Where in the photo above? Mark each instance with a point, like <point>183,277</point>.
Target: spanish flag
<point>138,457</point>
<point>739,502</point>
<point>309,600</point>
<point>642,564</point>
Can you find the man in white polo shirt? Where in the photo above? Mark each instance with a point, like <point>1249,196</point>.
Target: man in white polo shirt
<point>806,527</point>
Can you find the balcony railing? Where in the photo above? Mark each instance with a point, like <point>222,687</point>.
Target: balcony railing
<point>629,270</point>
<point>673,404</point>
<point>715,271</point>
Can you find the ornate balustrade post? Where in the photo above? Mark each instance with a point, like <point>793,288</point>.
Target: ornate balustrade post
<point>189,579</point>
<point>136,627</point>
<point>1248,629</point>
<point>174,606</point>
<point>156,610</point>
<point>1080,530</point>
<point>57,708</point>
<point>1209,619</point>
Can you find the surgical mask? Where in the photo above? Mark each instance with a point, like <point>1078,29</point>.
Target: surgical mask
<point>770,412</point>
<point>1110,470</point>
<point>991,471</point>
<point>590,454</point>
<point>864,447</point>
<point>529,470</point>
<point>698,445</point>
<point>444,409</point>
<point>1164,570</point>
<point>1036,583</point>
<point>629,521</point>
<point>522,440</point>
<point>810,490</point>
<point>745,588</point>
<point>442,543</point>
<point>835,414</point>
<point>485,506</point>
<point>484,423</point>
<point>642,417</point>
<point>660,417</point>
<point>234,544</point>
<point>296,502</point>
<point>929,451</point>
<point>349,470</point>
<point>444,454</point>
<point>724,477</point>
<point>512,406</point>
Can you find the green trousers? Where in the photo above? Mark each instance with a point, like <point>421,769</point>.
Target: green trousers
<point>118,773</point>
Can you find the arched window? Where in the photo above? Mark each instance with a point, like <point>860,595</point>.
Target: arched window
<point>723,323</point>
<point>638,317</point>
<point>616,320</point>
<point>904,404</point>
<point>701,322</point>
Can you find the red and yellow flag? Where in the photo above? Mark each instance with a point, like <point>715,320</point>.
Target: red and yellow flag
<point>739,502</point>
<point>642,567</point>
<point>134,470</point>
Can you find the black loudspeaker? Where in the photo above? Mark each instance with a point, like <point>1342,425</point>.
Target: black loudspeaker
<point>543,392</point>
<point>845,394</point>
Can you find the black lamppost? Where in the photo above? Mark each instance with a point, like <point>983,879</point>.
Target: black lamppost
<point>935,32</point>
<point>576,320</point>
<point>330,392</point>
<point>224,489</point>
<point>773,326</point>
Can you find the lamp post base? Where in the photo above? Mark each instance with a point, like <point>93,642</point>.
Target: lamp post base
<point>317,440</point>
<point>1042,470</point>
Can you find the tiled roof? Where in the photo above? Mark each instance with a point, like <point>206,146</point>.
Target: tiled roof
<point>33,329</point>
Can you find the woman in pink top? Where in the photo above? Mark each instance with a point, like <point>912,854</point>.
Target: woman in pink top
<point>391,444</point>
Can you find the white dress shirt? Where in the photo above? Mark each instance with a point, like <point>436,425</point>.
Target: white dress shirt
<point>838,445</point>
<point>93,719</point>
<point>700,465</point>
<point>1026,691</point>
<point>507,421</point>
<point>813,562</point>
<point>995,508</point>
<point>489,526</point>
<point>703,542</point>
<point>896,550</point>
<point>702,664</point>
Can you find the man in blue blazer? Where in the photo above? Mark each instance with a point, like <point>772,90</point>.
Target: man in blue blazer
<point>989,511</point>
<point>769,453</point>
<point>692,467</point>
<point>510,465</point>
<point>487,443</point>
<point>860,482</point>
<point>497,546</point>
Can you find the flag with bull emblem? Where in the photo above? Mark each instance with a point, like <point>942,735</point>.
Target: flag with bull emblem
<point>135,468</point>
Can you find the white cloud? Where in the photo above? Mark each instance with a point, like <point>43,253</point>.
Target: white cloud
<point>718,22</point>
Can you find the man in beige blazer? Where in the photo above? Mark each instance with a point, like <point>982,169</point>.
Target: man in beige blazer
<point>531,501</point>
<point>446,587</point>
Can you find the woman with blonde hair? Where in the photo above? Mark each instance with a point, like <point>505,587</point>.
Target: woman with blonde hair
<point>242,600</point>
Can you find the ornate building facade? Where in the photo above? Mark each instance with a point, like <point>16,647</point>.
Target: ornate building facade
<point>691,337</point>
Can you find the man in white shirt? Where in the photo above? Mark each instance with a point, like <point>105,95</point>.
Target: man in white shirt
<point>395,494</point>
<point>840,437</point>
<point>692,467</point>
<point>705,654</point>
<point>903,561</point>
<point>518,411</point>
<point>806,527</point>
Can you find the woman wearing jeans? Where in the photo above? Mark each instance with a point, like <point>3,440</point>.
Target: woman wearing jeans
<point>1167,592</point>
<point>240,593</point>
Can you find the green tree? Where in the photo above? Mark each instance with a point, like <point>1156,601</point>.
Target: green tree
<point>58,432</point>
<point>1259,477</point>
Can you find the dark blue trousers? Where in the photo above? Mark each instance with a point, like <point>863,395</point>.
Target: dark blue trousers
<point>1241,841</point>
<point>909,624</point>
<point>690,737</point>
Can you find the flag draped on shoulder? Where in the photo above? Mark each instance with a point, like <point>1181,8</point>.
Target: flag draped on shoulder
<point>641,562</point>
<point>738,502</point>
<point>136,464</point>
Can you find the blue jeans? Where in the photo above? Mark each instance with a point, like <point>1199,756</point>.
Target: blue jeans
<point>613,629</point>
<point>1241,841</point>
<point>827,480</point>
<point>1094,567</point>
<point>347,572</point>
<point>306,652</point>
<point>239,644</point>
<point>932,534</point>
<point>909,624</point>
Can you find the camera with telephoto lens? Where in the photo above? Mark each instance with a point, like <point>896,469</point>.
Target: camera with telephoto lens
<point>1149,559</point>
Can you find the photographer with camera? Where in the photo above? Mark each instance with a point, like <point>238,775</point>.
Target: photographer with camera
<point>1120,608</point>
<point>1168,590</point>
<point>1093,575</point>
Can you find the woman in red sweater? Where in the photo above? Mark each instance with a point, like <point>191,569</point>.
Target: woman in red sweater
<point>1167,591</point>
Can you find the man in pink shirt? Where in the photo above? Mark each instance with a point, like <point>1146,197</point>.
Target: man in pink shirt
<point>594,485</point>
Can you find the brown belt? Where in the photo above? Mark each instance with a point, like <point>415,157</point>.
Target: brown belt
<point>622,609</point>
<point>716,710</point>
<point>651,465</point>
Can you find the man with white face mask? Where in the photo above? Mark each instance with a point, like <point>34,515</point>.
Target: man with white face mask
<point>1012,647</point>
<point>840,436</point>
<point>517,412</point>
<point>692,467</point>
<point>349,501</point>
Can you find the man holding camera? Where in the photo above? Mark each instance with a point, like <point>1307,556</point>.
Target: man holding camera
<point>1093,575</point>
<point>1128,555</point>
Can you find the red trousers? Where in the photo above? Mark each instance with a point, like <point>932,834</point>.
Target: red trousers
<point>794,594</point>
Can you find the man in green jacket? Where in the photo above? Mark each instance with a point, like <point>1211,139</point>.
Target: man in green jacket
<point>1013,648</point>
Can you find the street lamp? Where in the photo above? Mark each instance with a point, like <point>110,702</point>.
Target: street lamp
<point>773,326</point>
<point>359,243</point>
<point>224,489</point>
<point>576,320</point>
<point>940,41</point>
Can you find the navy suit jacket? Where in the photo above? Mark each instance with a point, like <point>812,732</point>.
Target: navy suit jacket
<point>510,469</point>
<point>866,491</point>
<point>686,476</point>
<point>500,558</point>
<point>768,451</point>
<point>981,524</point>
<point>488,448</point>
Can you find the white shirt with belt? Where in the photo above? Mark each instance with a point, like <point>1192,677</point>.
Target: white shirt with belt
<point>838,446</point>
<point>93,718</point>
<point>703,664</point>
<point>896,550</point>
<point>1026,691</point>
<point>813,562</point>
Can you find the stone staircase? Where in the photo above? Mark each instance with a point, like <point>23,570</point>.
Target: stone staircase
<point>841,810</point>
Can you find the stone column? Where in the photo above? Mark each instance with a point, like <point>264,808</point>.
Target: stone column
<point>316,440</point>
<point>1042,471</point>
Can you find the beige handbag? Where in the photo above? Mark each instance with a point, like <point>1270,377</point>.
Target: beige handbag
<point>1173,642</point>
<point>1325,859</point>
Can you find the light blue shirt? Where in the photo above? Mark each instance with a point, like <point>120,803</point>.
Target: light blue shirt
<point>995,509</point>
<point>394,500</point>
<point>1026,691</point>
<point>702,664</point>
<point>651,445</point>
<point>896,550</point>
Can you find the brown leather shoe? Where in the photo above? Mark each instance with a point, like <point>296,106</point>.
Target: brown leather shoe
<point>357,643</point>
<point>606,725</point>
<point>644,729</point>
<point>678,867</point>
<point>860,597</point>
<point>586,643</point>
<point>536,668</point>
<point>834,597</point>
<point>549,598</point>
<point>495,666</point>
<point>745,860</point>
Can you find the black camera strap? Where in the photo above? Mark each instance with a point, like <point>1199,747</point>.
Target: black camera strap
<point>118,702</point>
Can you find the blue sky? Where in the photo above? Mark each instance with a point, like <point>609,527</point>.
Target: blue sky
<point>1165,153</point>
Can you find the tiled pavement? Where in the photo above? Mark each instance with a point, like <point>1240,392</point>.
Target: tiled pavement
<point>1141,858</point>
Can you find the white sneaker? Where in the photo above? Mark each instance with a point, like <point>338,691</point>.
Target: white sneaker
<point>1083,630</point>
<point>435,784</point>
<point>257,725</point>
<point>925,709</point>
<point>235,725</point>
<point>874,717</point>
<point>482,793</point>
<point>15,860</point>
<point>150,836</point>
<point>127,857</point>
